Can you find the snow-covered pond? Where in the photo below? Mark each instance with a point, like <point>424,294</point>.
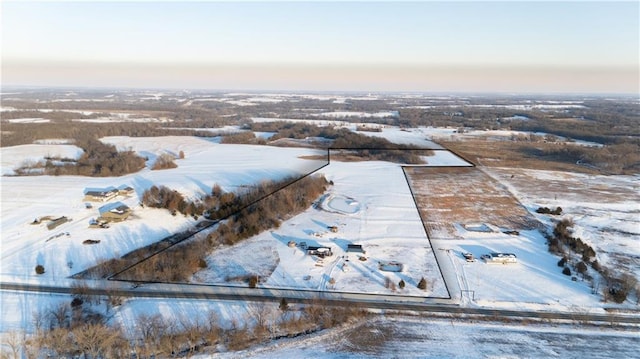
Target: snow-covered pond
<point>343,204</point>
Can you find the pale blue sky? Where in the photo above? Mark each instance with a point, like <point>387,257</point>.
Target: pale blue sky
<point>417,46</point>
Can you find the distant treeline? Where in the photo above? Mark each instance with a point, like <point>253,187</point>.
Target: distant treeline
<point>601,121</point>
<point>14,134</point>
<point>372,148</point>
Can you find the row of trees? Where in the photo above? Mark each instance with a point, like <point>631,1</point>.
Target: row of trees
<point>258,209</point>
<point>75,330</point>
<point>165,161</point>
<point>615,159</point>
<point>98,160</point>
<point>617,285</point>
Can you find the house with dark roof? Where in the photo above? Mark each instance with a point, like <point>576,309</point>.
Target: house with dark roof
<point>100,195</point>
<point>126,190</point>
<point>355,248</point>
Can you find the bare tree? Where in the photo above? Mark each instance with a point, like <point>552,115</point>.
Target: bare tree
<point>151,329</point>
<point>261,312</point>
<point>120,346</point>
<point>194,331</point>
<point>59,341</point>
<point>94,340</point>
<point>38,321</point>
<point>172,341</point>
<point>213,327</point>
<point>59,316</point>
<point>14,341</point>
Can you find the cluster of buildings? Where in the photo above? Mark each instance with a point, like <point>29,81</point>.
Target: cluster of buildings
<point>111,212</point>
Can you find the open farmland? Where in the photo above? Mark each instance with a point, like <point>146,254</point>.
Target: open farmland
<point>451,197</point>
<point>466,210</point>
<point>605,209</point>
<point>370,205</point>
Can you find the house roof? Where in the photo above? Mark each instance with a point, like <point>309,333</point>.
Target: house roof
<point>116,208</point>
<point>100,192</point>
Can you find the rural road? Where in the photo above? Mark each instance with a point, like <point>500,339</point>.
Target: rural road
<point>376,301</point>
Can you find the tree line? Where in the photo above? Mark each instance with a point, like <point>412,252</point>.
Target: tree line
<point>365,147</point>
<point>79,330</point>
<point>98,160</point>
<point>242,215</point>
<point>579,255</point>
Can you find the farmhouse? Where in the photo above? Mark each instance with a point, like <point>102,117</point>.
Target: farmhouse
<point>503,258</point>
<point>100,195</point>
<point>355,248</point>
<point>116,212</point>
<point>319,251</point>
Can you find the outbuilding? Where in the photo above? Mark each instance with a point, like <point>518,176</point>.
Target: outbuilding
<point>355,248</point>
<point>319,251</point>
<point>503,258</point>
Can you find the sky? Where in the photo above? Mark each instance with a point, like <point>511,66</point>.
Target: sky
<point>424,46</point>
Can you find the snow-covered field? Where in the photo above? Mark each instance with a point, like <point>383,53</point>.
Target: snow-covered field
<point>61,250</point>
<point>14,157</point>
<point>369,204</point>
<point>359,114</point>
<point>415,337</point>
<point>605,209</point>
<point>448,133</point>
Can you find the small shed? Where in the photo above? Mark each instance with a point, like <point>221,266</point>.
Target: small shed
<point>333,229</point>
<point>355,248</point>
<point>392,266</point>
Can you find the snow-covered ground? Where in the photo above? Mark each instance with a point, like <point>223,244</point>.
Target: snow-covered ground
<point>415,337</point>
<point>605,209</point>
<point>359,114</point>
<point>369,203</point>
<point>333,123</point>
<point>29,120</point>
<point>14,157</point>
<point>61,250</point>
<point>411,136</point>
<point>450,133</point>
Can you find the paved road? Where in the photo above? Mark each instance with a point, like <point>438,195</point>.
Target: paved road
<point>378,301</point>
